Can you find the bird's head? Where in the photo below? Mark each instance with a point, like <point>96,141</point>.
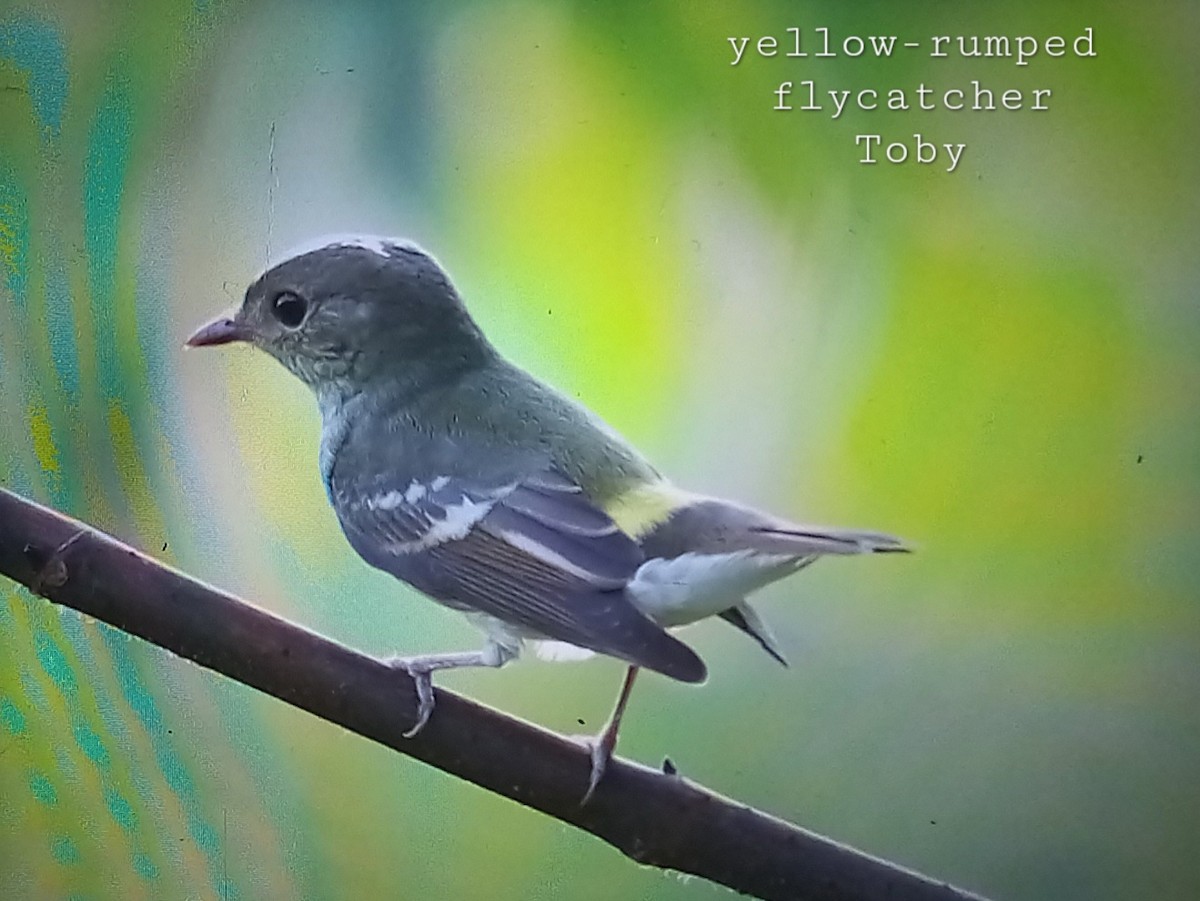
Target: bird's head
<point>355,310</point>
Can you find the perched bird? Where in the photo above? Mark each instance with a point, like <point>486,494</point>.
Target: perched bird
<point>461,474</point>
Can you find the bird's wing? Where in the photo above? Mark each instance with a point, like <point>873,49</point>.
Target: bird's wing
<point>533,552</point>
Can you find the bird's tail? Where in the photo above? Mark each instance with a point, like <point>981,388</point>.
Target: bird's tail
<point>712,526</point>
<point>786,538</point>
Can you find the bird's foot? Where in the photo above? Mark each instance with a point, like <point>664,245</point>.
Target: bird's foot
<point>420,668</point>
<point>600,749</point>
<point>421,673</point>
<point>602,746</point>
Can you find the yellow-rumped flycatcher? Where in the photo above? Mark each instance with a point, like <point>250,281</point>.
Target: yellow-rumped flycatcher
<point>492,493</point>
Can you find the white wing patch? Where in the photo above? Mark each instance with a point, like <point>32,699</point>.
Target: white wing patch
<point>415,492</point>
<point>389,501</point>
<point>693,586</point>
<point>454,523</point>
<point>458,522</point>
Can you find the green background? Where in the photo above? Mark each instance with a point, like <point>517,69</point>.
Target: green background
<point>1000,364</point>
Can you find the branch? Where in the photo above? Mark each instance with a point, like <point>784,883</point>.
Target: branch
<point>656,819</point>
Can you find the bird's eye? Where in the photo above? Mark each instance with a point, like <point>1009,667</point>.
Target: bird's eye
<point>289,308</point>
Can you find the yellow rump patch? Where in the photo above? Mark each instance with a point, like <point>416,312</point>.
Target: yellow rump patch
<point>645,506</point>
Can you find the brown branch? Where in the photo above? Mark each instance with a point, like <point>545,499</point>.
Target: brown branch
<point>657,819</point>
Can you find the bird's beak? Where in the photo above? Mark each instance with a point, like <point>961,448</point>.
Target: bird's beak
<point>222,330</point>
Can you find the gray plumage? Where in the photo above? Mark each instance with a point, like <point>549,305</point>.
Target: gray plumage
<point>489,491</point>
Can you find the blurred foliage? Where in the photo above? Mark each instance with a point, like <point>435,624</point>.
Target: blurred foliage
<point>998,363</point>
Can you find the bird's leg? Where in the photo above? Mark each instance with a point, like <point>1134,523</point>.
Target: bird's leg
<point>420,669</point>
<point>603,745</point>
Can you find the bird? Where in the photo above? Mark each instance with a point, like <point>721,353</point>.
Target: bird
<point>489,491</point>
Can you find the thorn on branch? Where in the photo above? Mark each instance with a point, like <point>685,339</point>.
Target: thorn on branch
<point>51,569</point>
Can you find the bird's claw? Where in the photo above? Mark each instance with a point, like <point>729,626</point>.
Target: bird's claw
<point>424,681</point>
<point>600,749</point>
